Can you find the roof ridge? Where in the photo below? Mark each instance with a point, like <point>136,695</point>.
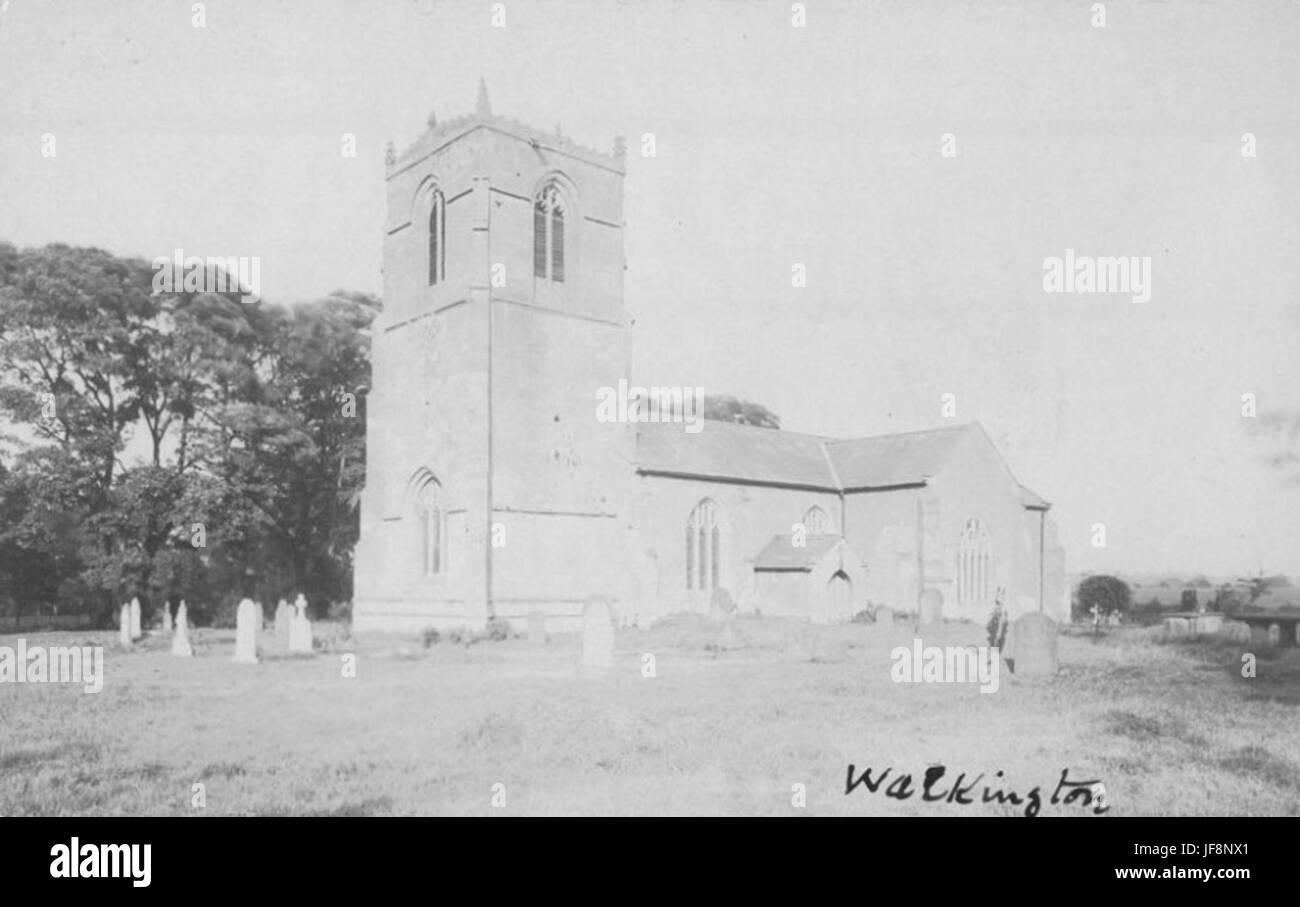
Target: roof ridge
<point>964,426</point>
<point>747,426</point>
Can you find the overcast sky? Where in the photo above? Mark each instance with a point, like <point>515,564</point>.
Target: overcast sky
<point>775,145</point>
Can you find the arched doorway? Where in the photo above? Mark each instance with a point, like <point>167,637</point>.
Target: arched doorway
<point>839,596</point>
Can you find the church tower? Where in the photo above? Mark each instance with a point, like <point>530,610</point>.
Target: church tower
<point>492,490</point>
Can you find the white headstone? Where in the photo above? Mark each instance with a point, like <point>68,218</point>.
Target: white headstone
<point>136,632</point>
<point>597,634</point>
<point>283,616</point>
<point>124,627</point>
<point>246,632</point>
<point>181,638</point>
<point>1031,645</point>
<point>300,627</point>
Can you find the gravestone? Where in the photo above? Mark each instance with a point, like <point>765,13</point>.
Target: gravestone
<point>283,616</point>
<point>1031,646</point>
<point>181,638</point>
<point>167,618</point>
<point>1114,619</point>
<point>124,627</point>
<point>1177,626</point>
<point>597,634</point>
<point>931,607</point>
<point>884,617</point>
<point>1207,623</point>
<point>1274,634</point>
<point>1235,630</point>
<point>246,632</point>
<point>536,628</point>
<point>136,632</point>
<point>300,627</point>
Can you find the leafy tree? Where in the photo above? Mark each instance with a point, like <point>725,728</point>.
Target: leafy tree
<point>1107,593</point>
<point>254,417</point>
<point>732,409</point>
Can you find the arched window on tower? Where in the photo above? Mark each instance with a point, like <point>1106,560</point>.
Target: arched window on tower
<point>703,547</point>
<point>816,521</point>
<point>430,528</point>
<point>437,239</point>
<point>549,211</point>
<point>974,566</point>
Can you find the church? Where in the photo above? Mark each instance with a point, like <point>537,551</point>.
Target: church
<point>493,490</point>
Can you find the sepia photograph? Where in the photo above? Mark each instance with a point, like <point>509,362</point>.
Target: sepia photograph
<point>647,408</point>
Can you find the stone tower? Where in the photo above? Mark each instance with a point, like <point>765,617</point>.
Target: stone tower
<point>491,488</point>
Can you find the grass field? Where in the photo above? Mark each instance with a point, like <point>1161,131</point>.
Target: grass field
<point>1167,728</point>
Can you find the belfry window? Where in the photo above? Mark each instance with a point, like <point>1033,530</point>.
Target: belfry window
<point>549,212</point>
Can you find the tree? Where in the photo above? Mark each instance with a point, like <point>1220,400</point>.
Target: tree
<point>295,456</point>
<point>1107,593</point>
<point>732,409</point>
<point>1255,586</point>
<point>70,320</point>
<point>254,417</point>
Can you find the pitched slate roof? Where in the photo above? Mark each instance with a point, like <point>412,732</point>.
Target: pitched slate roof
<point>725,451</point>
<point>888,460</point>
<point>781,554</point>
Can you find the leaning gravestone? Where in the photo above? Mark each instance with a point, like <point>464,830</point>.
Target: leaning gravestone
<point>597,634</point>
<point>167,618</point>
<point>536,628</point>
<point>931,607</point>
<point>1031,647</point>
<point>246,632</point>
<point>181,638</point>
<point>300,627</point>
<point>283,616</point>
<point>124,627</point>
<point>136,632</point>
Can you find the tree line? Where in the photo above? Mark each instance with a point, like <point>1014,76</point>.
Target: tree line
<point>173,445</point>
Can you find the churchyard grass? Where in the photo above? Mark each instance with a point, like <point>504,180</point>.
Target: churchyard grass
<point>1168,728</point>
